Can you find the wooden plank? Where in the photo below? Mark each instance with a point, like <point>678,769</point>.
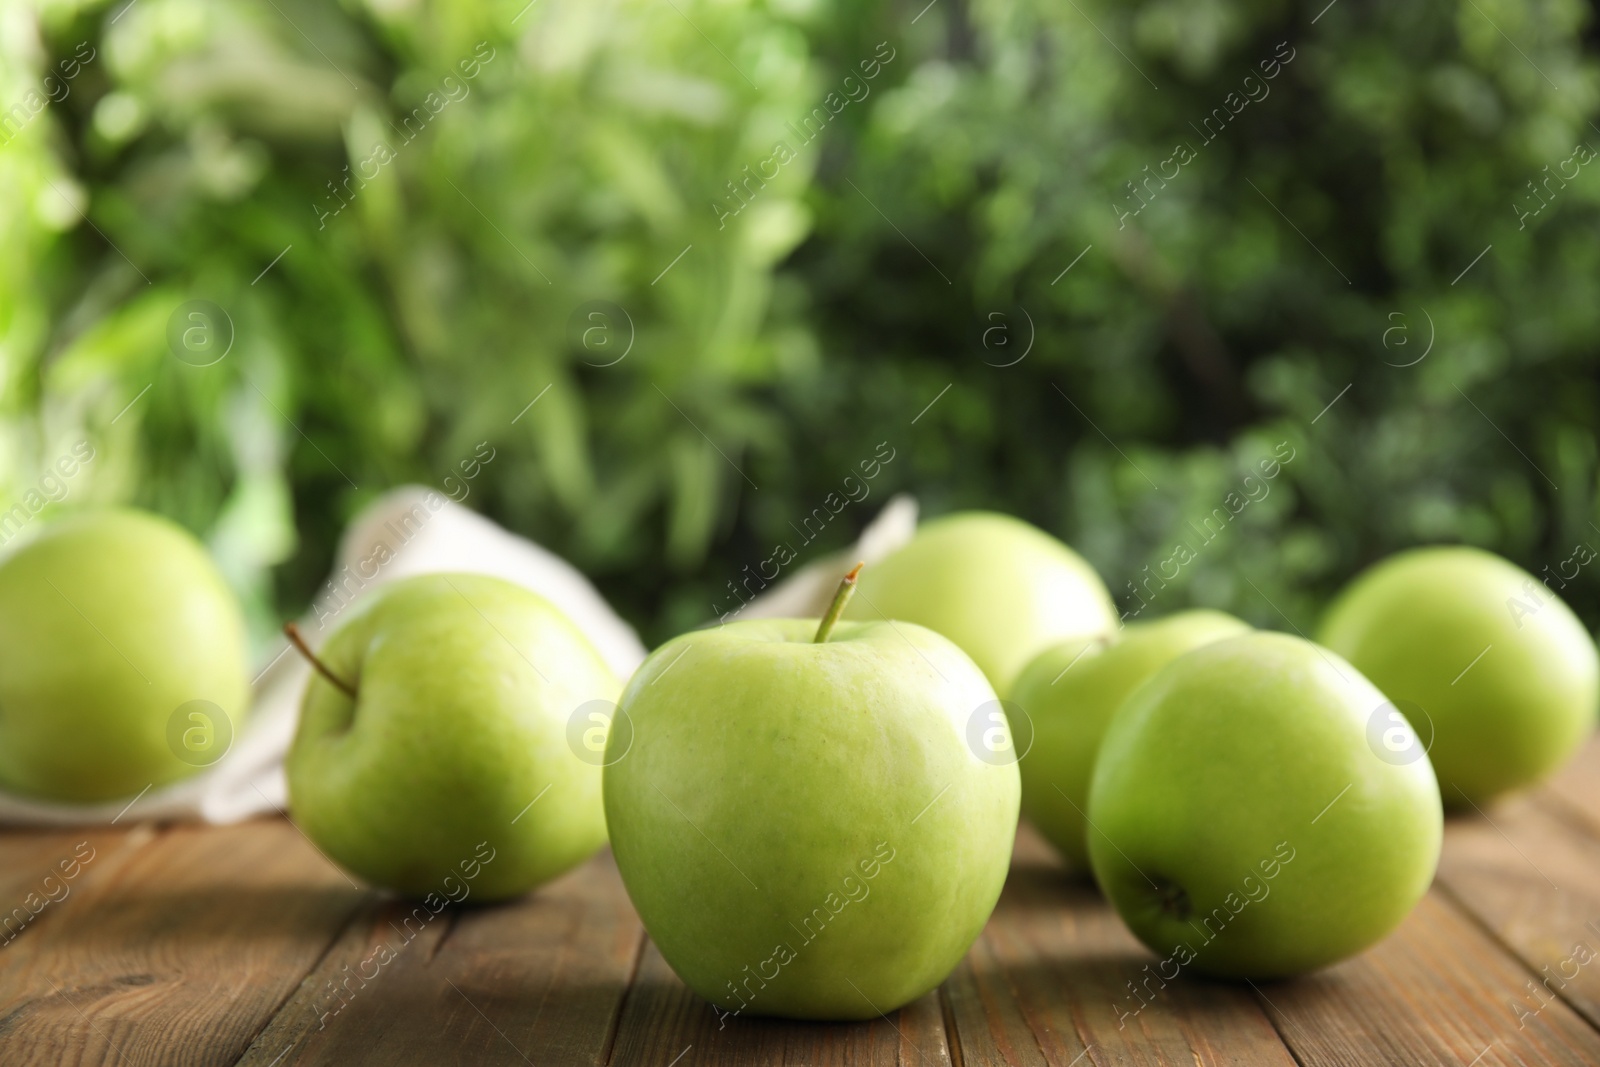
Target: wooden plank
<point>311,1003</point>
<point>1049,983</point>
<point>536,980</point>
<point>42,869</point>
<point>664,1023</point>
<point>1435,991</point>
<point>1533,879</point>
<point>177,955</point>
<point>986,1023</point>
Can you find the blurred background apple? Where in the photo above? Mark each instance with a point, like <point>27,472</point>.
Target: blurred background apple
<point>999,588</point>
<point>1499,678</point>
<point>116,629</point>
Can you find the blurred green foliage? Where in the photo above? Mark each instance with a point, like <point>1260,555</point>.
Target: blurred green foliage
<point>1144,245</point>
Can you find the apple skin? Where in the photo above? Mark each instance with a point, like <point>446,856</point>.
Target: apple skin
<point>999,588</point>
<point>465,685</point>
<point>1240,777</point>
<point>1414,623</point>
<point>1070,693</point>
<point>770,777</point>
<point>110,620</point>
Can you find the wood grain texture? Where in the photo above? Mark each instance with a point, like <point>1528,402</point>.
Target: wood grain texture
<point>1529,872</point>
<point>42,869</point>
<point>1433,992</point>
<point>175,952</point>
<point>664,1023</point>
<point>537,980</point>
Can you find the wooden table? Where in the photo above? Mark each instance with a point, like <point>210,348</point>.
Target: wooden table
<point>186,945</point>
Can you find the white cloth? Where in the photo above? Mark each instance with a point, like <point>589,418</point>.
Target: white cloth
<point>410,531</point>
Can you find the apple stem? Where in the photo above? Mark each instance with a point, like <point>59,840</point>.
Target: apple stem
<point>847,588</point>
<point>292,632</point>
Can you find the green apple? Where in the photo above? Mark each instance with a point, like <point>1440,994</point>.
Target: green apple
<point>1481,656</point>
<point>1242,824</point>
<point>807,829</point>
<point>999,588</point>
<point>116,626</point>
<point>454,741</point>
<point>1069,694</point>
